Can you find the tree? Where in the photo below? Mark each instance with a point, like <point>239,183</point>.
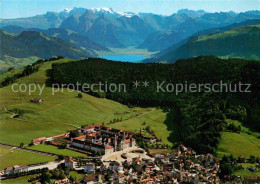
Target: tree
<point>80,95</point>
<point>74,134</point>
<point>226,169</point>
<point>11,68</point>
<point>252,159</point>
<point>71,179</point>
<point>45,177</point>
<point>21,145</point>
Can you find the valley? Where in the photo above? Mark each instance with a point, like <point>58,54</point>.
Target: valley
<point>183,114</point>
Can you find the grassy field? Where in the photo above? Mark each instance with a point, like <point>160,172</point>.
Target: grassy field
<point>76,175</point>
<point>246,143</point>
<point>9,61</point>
<point>158,119</point>
<point>55,115</point>
<point>243,173</point>
<point>238,144</point>
<point>10,157</point>
<point>56,150</point>
<point>20,180</point>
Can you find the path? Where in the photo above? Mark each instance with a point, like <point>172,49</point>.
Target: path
<point>56,105</point>
<point>139,116</point>
<point>13,114</point>
<point>49,165</point>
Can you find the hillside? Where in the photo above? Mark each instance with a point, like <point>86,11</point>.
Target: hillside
<point>241,42</point>
<point>48,20</point>
<point>70,36</point>
<point>63,111</point>
<point>32,43</point>
<point>18,49</point>
<point>194,118</point>
<point>207,32</point>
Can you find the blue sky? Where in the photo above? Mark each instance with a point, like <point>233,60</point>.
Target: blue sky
<point>26,8</point>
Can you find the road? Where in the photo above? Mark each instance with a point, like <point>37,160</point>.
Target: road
<point>49,165</point>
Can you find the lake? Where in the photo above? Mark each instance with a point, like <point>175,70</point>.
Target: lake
<point>124,58</point>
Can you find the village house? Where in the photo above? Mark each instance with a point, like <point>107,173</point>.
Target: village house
<point>39,140</point>
<point>16,169</point>
<point>69,162</point>
<point>115,166</point>
<point>63,181</point>
<point>92,179</point>
<point>37,100</point>
<point>242,158</point>
<point>89,168</point>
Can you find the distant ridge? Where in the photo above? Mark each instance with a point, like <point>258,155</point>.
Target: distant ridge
<point>32,43</point>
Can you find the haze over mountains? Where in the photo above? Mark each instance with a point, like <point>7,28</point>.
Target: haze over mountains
<point>82,32</point>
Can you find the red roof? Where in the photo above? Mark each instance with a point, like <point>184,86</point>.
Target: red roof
<point>69,160</point>
<point>39,139</point>
<point>127,141</point>
<point>242,156</point>
<point>82,137</point>
<point>108,147</point>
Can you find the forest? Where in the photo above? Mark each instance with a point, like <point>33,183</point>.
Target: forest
<point>201,115</point>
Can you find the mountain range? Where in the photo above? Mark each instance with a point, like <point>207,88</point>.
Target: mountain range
<point>122,29</point>
<point>33,43</point>
<point>75,38</point>
<point>240,42</point>
<point>81,32</point>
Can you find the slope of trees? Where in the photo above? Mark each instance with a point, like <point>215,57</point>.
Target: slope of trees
<point>201,114</point>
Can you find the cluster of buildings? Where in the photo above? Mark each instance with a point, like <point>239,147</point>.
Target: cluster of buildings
<point>103,140</point>
<point>181,166</point>
<point>42,140</point>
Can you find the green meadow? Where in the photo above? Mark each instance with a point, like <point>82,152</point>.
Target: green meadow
<point>245,143</point>
<point>10,157</point>
<point>20,180</point>
<point>56,150</point>
<point>57,114</point>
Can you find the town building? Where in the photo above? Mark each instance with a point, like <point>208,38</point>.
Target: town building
<point>90,168</point>
<point>103,140</point>
<point>16,169</point>
<point>39,140</point>
<point>69,162</point>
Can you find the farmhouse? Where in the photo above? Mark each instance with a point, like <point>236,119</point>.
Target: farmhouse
<point>36,100</point>
<point>39,140</point>
<point>69,162</point>
<point>16,169</point>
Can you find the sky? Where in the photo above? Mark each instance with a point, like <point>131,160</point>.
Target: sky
<point>27,8</point>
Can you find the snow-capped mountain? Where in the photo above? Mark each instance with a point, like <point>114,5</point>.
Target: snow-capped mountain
<point>111,12</point>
